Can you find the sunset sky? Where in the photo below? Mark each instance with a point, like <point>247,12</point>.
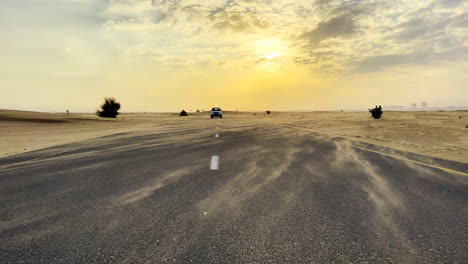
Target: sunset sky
<point>164,55</point>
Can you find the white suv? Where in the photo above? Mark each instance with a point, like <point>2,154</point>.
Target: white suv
<point>216,112</point>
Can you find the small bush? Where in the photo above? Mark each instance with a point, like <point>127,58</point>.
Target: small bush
<point>376,112</point>
<point>183,113</point>
<point>198,110</point>
<point>268,112</point>
<point>110,108</point>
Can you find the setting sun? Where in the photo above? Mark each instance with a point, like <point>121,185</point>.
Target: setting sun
<point>270,54</point>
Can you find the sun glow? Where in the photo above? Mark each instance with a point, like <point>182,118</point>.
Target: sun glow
<point>270,53</point>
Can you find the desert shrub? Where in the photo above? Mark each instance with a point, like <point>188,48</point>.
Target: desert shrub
<point>268,112</point>
<point>376,112</point>
<point>198,110</point>
<point>110,108</point>
<point>183,113</point>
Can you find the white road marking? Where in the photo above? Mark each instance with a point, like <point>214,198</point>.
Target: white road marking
<point>217,135</point>
<point>214,164</point>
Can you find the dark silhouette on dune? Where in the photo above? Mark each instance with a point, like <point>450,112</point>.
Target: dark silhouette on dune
<point>110,108</point>
<point>183,113</point>
<point>376,112</point>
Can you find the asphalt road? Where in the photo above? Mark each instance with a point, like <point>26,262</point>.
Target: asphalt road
<point>280,195</point>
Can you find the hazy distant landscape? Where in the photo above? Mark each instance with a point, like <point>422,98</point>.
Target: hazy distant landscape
<point>433,133</point>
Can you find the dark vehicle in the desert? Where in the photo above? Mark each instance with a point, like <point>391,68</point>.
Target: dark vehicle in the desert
<point>216,112</point>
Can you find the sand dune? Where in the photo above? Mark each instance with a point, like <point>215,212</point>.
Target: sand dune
<point>438,134</point>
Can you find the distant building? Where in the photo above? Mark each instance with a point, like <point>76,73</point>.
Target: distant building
<point>424,105</point>
<point>414,106</point>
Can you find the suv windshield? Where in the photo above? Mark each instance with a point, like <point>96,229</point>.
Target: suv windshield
<point>216,109</point>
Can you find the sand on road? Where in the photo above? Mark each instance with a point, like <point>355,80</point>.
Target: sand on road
<point>22,131</point>
<point>432,133</point>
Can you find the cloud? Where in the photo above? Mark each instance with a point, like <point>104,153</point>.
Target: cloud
<point>450,3</point>
<point>424,25</point>
<point>340,26</point>
<point>363,36</point>
<point>157,16</point>
<point>333,35</point>
<point>379,63</point>
<point>356,35</point>
<point>237,21</point>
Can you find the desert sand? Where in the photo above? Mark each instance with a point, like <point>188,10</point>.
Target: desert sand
<point>433,133</point>
<point>22,131</point>
<point>438,134</point>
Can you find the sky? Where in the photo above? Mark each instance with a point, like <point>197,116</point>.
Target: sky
<point>168,55</point>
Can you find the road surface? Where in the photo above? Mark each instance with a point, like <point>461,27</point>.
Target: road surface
<point>228,191</point>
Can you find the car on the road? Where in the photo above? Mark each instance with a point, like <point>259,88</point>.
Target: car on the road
<point>216,112</point>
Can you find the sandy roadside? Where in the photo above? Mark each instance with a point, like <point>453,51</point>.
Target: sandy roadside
<point>438,134</point>
<point>22,131</point>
